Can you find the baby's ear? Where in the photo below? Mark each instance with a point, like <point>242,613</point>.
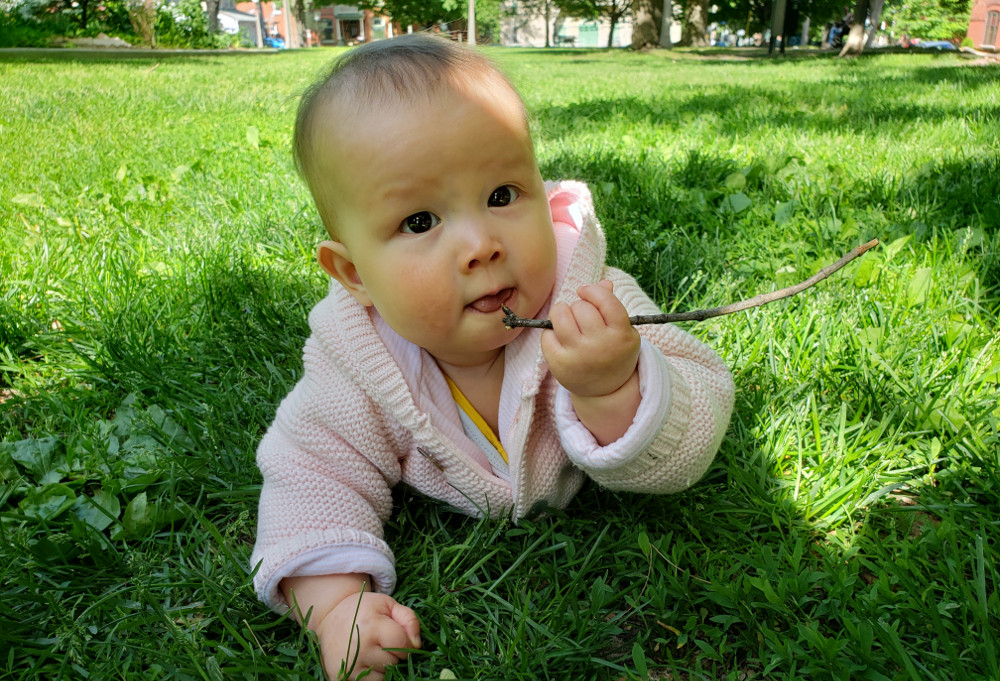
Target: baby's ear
<point>335,260</point>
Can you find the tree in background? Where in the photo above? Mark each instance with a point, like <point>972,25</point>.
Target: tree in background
<point>488,21</point>
<point>925,19</point>
<point>424,13</point>
<point>940,20</point>
<point>184,24</point>
<point>856,39</point>
<point>525,9</point>
<point>142,14</point>
<point>754,16</point>
<point>212,15</point>
<point>611,10</point>
<point>695,31</point>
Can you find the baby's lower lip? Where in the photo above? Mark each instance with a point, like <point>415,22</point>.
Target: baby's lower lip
<point>492,303</point>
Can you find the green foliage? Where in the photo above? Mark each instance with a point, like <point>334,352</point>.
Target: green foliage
<point>18,31</point>
<point>594,9</point>
<point>424,13</point>
<point>931,19</point>
<point>185,25</point>
<point>155,276</point>
<point>487,20</point>
<point>34,23</point>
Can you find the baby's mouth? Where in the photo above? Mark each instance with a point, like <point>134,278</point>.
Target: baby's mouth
<point>493,302</point>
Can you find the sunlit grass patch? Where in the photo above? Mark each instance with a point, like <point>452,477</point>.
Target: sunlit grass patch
<point>155,274</point>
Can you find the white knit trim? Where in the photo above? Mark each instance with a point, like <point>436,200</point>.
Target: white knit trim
<point>654,408</point>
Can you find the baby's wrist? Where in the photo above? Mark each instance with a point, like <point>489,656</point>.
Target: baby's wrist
<point>609,416</point>
<point>601,388</point>
<point>315,597</point>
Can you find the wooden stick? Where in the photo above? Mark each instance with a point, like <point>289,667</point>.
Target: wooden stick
<point>511,320</point>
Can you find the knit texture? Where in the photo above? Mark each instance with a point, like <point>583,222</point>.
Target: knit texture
<point>353,428</point>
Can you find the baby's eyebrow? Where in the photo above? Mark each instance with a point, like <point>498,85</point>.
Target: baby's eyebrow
<point>405,192</point>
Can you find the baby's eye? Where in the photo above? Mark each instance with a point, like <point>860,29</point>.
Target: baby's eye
<point>502,196</point>
<point>421,222</point>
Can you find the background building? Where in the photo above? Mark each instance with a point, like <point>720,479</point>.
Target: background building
<point>522,28</point>
<point>984,24</point>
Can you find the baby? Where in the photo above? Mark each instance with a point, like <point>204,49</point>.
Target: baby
<point>419,158</point>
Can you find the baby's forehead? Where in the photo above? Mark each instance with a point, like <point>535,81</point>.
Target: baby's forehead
<point>365,92</point>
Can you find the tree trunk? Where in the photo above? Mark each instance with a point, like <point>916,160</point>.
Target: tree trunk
<point>666,24</point>
<point>645,25</point>
<point>142,16</point>
<point>855,43</point>
<point>260,24</point>
<point>548,23</point>
<point>778,26</point>
<point>212,14</point>
<point>695,24</point>
<point>611,34</point>
<point>299,12</point>
<point>557,24</point>
<point>471,23</point>
<point>877,7</point>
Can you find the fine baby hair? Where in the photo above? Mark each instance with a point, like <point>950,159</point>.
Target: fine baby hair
<point>407,68</point>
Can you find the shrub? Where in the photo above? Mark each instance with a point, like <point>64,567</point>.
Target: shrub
<point>33,23</point>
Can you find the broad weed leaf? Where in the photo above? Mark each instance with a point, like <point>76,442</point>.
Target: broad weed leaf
<point>139,516</point>
<point>639,660</point>
<point>735,182</point>
<point>920,284</point>
<point>736,203</point>
<point>896,246</point>
<point>89,509</point>
<point>47,502</point>
<point>643,540</point>
<point>867,272</point>
<point>784,211</point>
<point>43,457</point>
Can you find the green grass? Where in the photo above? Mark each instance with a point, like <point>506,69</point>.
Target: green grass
<point>155,276</point>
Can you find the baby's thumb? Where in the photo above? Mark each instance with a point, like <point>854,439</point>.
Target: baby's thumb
<point>606,283</point>
<point>407,619</point>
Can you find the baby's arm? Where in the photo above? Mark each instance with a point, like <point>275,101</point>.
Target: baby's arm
<point>593,352</point>
<point>686,399</point>
<point>353,636</point>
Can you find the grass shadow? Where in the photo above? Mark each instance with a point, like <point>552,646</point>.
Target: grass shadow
<point>738,111</point>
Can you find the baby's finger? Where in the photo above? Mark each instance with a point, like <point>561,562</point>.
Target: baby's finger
<point>588,317</point>
<point>564,326</point>
<point>407,619</point>
<point>602,297</point>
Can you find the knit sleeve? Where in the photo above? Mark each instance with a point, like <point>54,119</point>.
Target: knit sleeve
<point>697,393</point>
<point>328,470</point>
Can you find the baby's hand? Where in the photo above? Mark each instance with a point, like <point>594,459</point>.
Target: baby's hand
<point>381,623</point>
<point>592,349</point>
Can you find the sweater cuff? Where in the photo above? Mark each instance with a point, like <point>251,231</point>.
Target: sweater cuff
<point>654,409</point>
<point>339,559</point>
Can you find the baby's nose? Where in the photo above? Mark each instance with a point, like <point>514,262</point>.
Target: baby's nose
<point>492,255</point>
<point>482,249</point>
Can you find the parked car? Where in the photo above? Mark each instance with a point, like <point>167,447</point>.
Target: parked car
<point>937,45</point>
<point>275,42</point>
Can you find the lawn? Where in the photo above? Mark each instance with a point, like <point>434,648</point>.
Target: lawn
<point>155,275</point>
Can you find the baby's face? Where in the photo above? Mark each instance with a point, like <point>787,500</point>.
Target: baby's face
<point>441,209</point>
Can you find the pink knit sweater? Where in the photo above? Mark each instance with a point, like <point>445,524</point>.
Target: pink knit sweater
<point>373,410</point>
